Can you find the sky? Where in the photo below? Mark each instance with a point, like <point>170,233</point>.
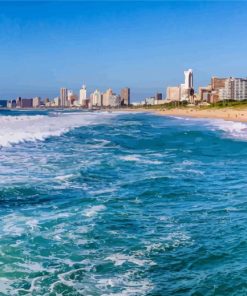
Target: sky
<point>145,45</point>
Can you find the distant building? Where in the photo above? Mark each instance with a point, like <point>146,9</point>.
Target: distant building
<point>72,98</point>
<point>187,86</point>
<point>11,104</point>
<point>83,96</point>
<point>18,102</point>
<point>205,93</point>
<point>125,96</point>
<point>217,83</point>
<point>115,101</point>
<point>63,97</point>
<point>106,97</point>
<point>56,101</point>
<point>158,96</point>
<point>95,98</point>
<point>234,89</point>
<point>173,93</point>
<point>26,103</point>
<point>36,102</point>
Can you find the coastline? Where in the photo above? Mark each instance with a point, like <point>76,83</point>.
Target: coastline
<point>229,114</point>
<point>225,113</point>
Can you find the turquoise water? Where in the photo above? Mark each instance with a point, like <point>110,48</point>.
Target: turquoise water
<point>122,204</point>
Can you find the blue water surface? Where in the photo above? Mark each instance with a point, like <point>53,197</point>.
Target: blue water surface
<point>122,204</point>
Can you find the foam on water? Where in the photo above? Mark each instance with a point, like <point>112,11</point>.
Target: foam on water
<point>139,158</point>
<point>93,211</point>
<point>232,129</point>
<point>120,259</point>
<point>18,129</point>
<point>104,211</point>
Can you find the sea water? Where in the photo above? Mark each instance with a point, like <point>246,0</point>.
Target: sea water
<point>98,203</point>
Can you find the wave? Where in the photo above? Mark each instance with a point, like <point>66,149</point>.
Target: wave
<point>232,129</point>
<point>24,128</point>
<point>237,130</point>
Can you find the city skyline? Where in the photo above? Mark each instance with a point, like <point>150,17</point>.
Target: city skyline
<point>144,45</point>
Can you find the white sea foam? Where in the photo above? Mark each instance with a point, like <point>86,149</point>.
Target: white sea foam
<point>232,129</point>
<point>128,285</point>
<point>18,129</point>
<point>93,211</point>
<point>119,259</point>
<point>140,159</point>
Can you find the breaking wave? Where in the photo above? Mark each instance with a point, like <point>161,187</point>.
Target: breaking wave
<point>24,128</point>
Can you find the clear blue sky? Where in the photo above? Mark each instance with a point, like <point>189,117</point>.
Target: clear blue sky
<point>143,45</point>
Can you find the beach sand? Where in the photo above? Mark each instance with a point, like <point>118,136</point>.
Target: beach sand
<point>225,113</point>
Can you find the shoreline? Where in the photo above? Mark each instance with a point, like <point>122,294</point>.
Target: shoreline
<point>227,114</point>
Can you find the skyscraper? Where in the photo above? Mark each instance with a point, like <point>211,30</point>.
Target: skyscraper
<point>187,86</point>
<point>107,97</point>
<point>63,97</point>
<point>95,98</point>
<point>83,96</point>
<point>125,96</point>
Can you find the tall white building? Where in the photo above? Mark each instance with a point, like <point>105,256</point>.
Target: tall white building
<point>95,98</point>
<point>187,86</point>
<point>36,102</point>
<point>83,96</point>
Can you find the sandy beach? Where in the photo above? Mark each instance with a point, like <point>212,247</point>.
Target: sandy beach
<point>225,113</point>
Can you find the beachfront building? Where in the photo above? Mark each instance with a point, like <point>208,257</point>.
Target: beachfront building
<point>125,96</point>
<point>63,97</point>
<point>107,97</point>
<point>212,92</point>
<point>95,98</point>
<point>158,96</point>
<point>83,96</point>
<point>36,102</point>
<point>11,104</point>
<point>186,89</point>
<point>115,101</point>
<point>72,98</point>
<point>217,83</point>
<point>234,89</point>
<point>173,93</point>
<point>184,92</point>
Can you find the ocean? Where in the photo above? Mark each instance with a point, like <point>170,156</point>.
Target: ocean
<point>98,203</point>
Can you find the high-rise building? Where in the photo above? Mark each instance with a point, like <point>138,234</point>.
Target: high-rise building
<point>63,97</point>
<point>125,96</point>
<point>217,83</point>
<point>173,93</point>
<point>115,100</point>
<point>95,98</point>
<point>56,101</point>
<point>158,96</point>
<point>36,102</point>
<point>187,86</point>
<point>235,89</point>
<point>83,96</point>
<point>107,97</point>
<point>26,103</point>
